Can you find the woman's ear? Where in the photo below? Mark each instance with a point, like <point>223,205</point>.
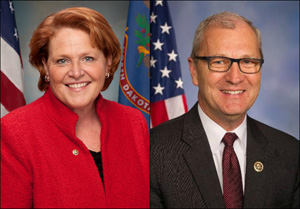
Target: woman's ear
<point>45,66</point>
<point>109,62</point>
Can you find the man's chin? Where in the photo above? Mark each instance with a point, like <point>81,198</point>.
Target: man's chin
<point>233,116</point>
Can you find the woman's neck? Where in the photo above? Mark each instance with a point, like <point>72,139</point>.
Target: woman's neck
<point>88,128</point>
<point>88,113</point>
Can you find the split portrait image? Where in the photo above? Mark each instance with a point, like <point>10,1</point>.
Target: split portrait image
<point>149,104</point>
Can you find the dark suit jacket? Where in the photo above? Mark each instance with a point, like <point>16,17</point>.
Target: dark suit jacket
<point>183,174</point>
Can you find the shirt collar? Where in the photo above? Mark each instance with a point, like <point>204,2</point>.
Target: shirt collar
<point>215,132</point>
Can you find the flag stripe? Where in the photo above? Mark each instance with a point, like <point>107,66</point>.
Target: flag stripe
<point>158,113</point>
<point>4,111</point>
<point>184,103</point>
<point>11,65</point>
<point>175,106</point>
<point>11,97</point>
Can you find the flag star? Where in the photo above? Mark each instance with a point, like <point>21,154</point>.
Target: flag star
<point>179,83</point>
<point>165,72</point>
<point>159,2</point>
<point>16,34</point>
<point>158,89</point>
<point>152,62</point>
<point>152,17</point>
<point>11,7</point>
<point>165,28</point>
<point>172,56</point>
<point>158,45</point>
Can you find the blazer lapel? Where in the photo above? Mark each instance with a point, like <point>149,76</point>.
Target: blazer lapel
<point>256,183</point>
<point>200,160</point>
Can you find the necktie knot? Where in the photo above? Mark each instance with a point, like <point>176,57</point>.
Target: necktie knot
<point>229,139</point>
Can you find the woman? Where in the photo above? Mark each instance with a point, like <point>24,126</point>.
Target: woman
<point>51,149</point>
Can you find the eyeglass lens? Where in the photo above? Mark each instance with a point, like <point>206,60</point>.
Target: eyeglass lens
<point>246,65</point>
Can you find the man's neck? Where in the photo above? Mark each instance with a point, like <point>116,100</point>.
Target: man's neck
<point>227,122</point>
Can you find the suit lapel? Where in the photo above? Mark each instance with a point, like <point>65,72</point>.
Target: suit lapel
<point>200,160</point>
<point>256,183</point>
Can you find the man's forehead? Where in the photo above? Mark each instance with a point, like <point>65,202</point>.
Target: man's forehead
<point>219,40</point>
<point>241,29</point>
<point>227,25</point>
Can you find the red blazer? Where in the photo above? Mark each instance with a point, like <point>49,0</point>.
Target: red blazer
<point>39,168</point>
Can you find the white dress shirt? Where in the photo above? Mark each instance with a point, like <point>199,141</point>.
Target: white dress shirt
<point>215,134</point>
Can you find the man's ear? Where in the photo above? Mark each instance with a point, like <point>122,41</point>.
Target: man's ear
<point>193,71</point>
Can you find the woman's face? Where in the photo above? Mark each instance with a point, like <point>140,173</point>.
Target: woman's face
<point>76,69</point>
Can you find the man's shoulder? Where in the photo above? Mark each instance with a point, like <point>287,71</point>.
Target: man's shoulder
<point>173,130</point>
<point>170,127</point>
<point>166,139</point>
<point>274,135</point>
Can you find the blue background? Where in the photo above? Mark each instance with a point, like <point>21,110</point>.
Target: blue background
<point>278,21</point>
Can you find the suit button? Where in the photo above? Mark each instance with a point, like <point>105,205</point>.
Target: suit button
<point>75,152</point>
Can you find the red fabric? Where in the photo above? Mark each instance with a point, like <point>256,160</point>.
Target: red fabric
<point>232,180</point>
<point>39,169</point>
<point>158,113</point>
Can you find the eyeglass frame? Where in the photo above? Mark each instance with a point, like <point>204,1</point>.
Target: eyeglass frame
<point>207,58</point>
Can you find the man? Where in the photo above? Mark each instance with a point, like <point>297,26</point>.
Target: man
<point>215,156</point>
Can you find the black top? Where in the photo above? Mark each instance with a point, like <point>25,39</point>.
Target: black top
<point>98,160</point>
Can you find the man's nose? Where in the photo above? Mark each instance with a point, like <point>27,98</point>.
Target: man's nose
<point>234,75</point>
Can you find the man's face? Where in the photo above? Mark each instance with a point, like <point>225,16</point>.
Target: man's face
<point>226,96</point>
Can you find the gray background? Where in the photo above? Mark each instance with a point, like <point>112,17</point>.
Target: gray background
<point>29,14</point>
<point>278,102</point>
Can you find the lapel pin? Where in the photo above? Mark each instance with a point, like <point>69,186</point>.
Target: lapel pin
<point>75,152</point>
<point>258,166</point>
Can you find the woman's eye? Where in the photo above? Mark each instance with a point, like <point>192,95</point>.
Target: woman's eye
<point>61,61</point>
<point>89,59</point>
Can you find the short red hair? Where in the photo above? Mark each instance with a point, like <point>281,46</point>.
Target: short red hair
<point>85,19</point>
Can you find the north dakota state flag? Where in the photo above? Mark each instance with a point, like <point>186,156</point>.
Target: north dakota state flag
<point>135,65</point>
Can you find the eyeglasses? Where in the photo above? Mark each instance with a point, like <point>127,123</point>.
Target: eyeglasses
<point>223,64</point>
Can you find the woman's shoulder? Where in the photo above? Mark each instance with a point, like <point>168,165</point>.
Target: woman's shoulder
<point>123,115</point>
<point>120,109</point>
<point>22,115</point>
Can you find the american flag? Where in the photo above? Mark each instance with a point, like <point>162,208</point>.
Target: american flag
<point>166,92</point>
<point>12,84</point>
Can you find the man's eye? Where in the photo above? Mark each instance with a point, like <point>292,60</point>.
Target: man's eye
<point>217,62</point>
<point>247,61</point>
